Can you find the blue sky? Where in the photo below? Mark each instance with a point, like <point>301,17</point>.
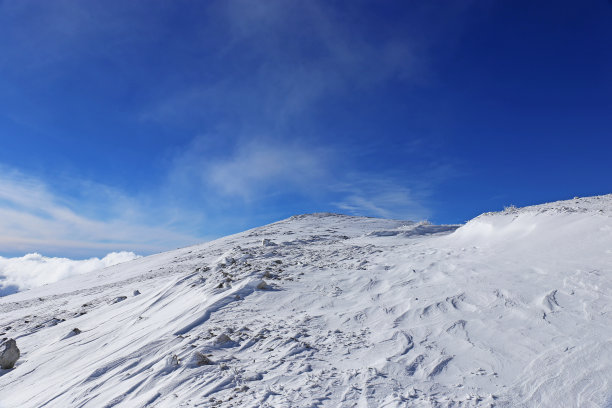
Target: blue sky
<point>146,126</point>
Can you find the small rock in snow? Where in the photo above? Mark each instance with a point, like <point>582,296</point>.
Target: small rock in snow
<point>267,242</point>
<point>174,360</point>
<point>9,355</point>
<point>201,359</point>
<point>222,339</point>
<point>136,292</point>
<point>72,333</point>
<point>253,377</point>
<point>263,285</point>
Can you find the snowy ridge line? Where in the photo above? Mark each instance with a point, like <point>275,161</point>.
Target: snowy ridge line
<point>511,309</point>
<point>595,205</point>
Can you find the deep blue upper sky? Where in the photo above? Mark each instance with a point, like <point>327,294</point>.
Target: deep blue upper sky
<point>150,125</point>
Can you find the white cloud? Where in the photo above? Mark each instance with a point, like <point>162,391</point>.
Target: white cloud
<point>257,167</point>
<point>249,171</point>
<point>32,270</point>
<point>35,219</point>
<point>383,198</point>
<point>264,170</point>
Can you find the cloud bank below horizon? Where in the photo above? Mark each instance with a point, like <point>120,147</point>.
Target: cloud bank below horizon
<point>33,270</point>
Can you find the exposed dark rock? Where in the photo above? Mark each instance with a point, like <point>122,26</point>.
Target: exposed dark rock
<point>201,359</point>
<point>10,355</point>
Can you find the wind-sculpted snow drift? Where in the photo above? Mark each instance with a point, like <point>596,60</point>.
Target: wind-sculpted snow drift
<point>513,309</point>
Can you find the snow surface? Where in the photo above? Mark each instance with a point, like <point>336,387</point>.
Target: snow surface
<point>512,309</point>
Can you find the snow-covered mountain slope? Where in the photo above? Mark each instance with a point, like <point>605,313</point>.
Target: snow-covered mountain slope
<point>513,309</point>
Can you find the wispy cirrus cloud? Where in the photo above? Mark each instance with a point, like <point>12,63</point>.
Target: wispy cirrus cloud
<point>35,219</point>
<point>384,198</point>
<point>285,57</point>
<point>262,171</point>
<point>252,169</point>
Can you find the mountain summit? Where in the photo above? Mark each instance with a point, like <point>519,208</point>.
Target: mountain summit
<point>511,309</point>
